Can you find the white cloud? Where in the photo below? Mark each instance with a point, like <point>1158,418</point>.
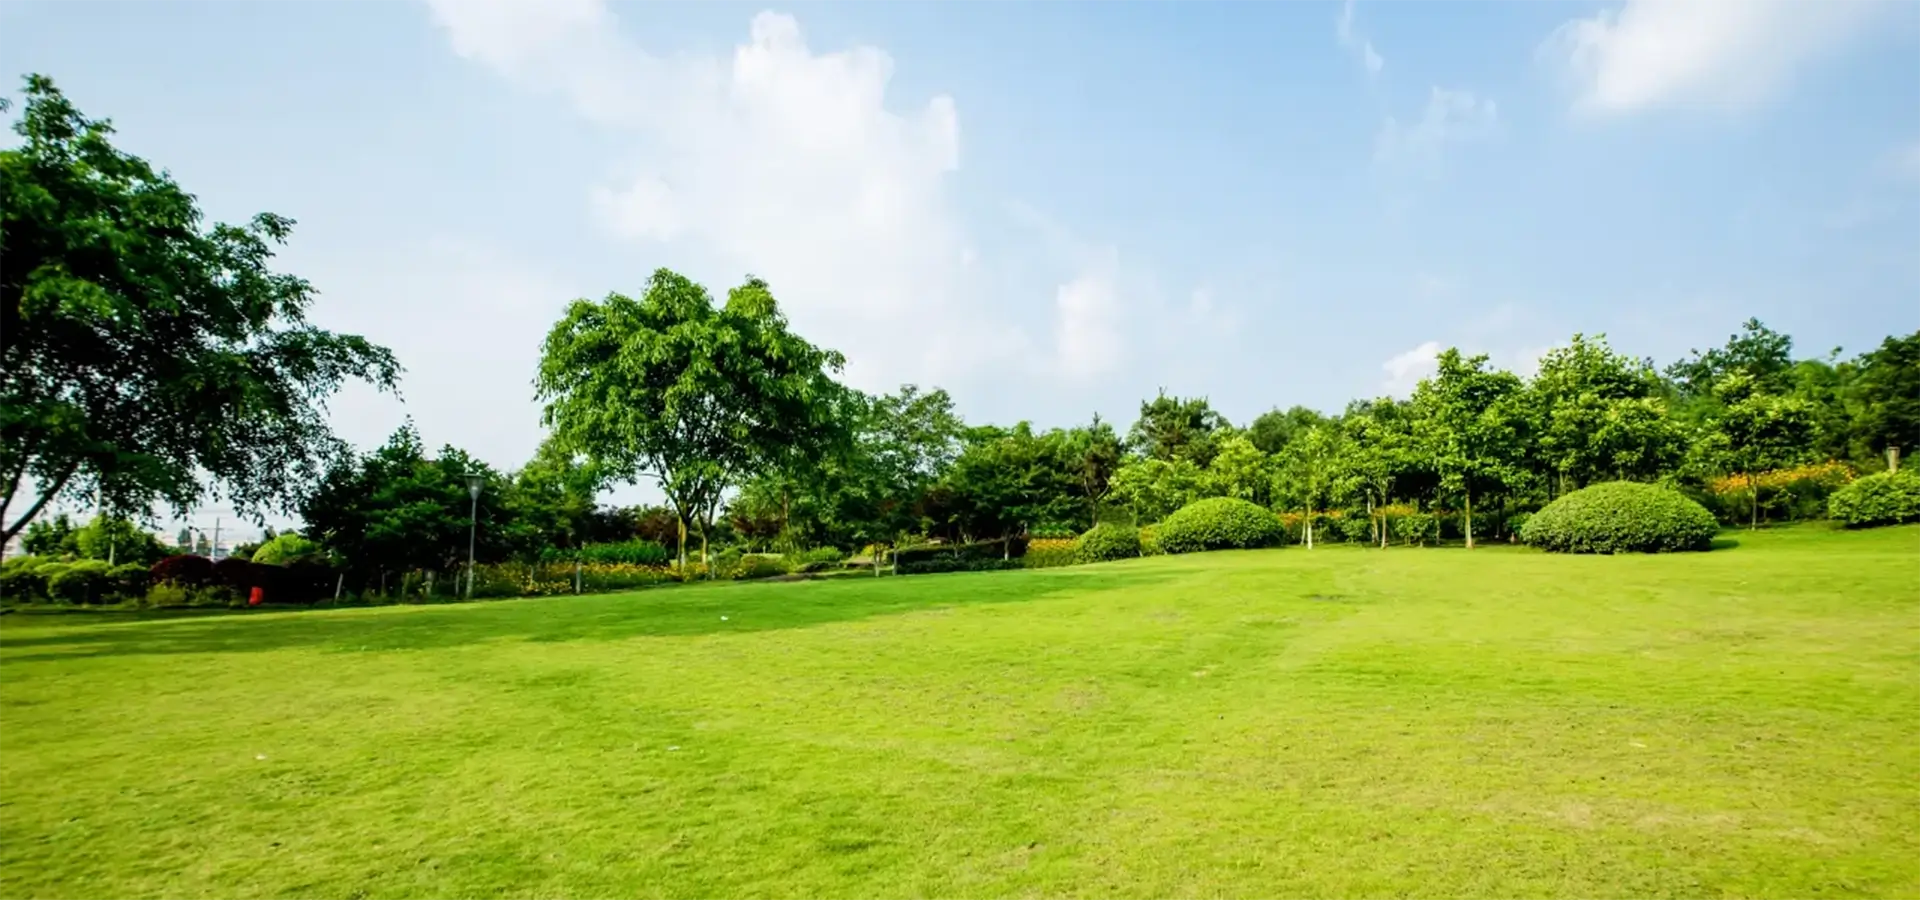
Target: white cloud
<point>1717,53</point>
<point>1450,117</point>
<point>1088,338</point>
<point>775,160</point>
<point>1405,371</point>
<point>1354,43</point>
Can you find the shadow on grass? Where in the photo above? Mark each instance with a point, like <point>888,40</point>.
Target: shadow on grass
<point>692,610</point>
<point>1724,543</point>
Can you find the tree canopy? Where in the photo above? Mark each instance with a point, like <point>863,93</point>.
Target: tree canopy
<point>146,357</point>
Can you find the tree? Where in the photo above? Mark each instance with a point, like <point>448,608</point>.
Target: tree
<point>1008,480</point>
<point>694,395</point>
<point>1273,430</point>
<point>117,540</point>
<point>1757,431</point>
<point>1171,428</point>
<point>1310,468</point>
<point>1240,470</point>
<point>1373,454</point>
<point>397,509</point>
<point>145,358</point>
<point>1152,489</point>
<point>1468,421</point>
<point>1887,396</point>
<point>1097,453</point>
<point>1759,352</point>
<point>551,499</point>
<point>1599,416</point>
<point>51,537</point>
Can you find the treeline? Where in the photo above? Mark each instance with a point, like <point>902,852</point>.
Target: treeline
<point>150,360</point>
<point>1746,428</point>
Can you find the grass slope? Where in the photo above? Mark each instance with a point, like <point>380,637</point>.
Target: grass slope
<point>1283,722</point>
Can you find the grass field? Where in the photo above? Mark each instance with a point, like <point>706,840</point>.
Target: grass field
<point>1335,722</point>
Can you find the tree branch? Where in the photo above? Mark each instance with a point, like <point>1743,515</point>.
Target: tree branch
<point>38,505</point>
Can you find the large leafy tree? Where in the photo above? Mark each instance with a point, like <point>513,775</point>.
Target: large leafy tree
<point>1373,455</point>
<point>1470,424</point>
<point>1240,470</point>
<point>1097,452</point>
<point>1887,394</point>
<point>146,357</point>
<point>695,395</point>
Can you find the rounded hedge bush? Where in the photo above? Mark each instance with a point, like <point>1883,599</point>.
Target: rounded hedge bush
<point>1219,523</point>
<point>83,582</point>
<point>1107,541</point>
<point>1621,517</point>
<point>1888,498</point>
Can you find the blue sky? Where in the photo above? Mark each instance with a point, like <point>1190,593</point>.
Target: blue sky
<point>1049,209</point>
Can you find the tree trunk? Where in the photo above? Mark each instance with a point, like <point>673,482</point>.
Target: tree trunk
<point>1893,459</point>
<point>1469,518</point>
<point>1753,493</point>
<point>681,519</point>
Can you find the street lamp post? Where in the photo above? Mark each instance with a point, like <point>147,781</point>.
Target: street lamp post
<point>474,481</point>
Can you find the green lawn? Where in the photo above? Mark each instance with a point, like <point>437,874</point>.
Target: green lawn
<point>1334,722</point>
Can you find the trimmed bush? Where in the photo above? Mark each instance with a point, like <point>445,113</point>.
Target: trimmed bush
<point>20,583</point>
<point>1888,498</point>
<point>1219,523</point>
<point>949,564</point>
<point>1107,541</point>
<point>82,582</point>
<point>979,551</point>
<point>759,565</point>
<point>129,581</point>
<point>1621,517</point>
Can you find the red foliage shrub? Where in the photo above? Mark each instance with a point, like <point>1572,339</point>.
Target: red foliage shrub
<point>186,571</point>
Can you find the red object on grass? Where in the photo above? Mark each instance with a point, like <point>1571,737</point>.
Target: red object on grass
<point>253,598</point>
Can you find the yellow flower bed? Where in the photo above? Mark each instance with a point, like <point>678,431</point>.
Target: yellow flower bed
<point>1829,474</point>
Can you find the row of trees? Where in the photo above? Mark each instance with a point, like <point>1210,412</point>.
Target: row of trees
<point>146,360</point>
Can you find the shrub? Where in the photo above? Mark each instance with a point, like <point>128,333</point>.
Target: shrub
<point>979,551</point>
<point>20,581</point>
<point>82,582</point>
<point>1517,521</point>
<point>1416,528</point>
<point>1107,541</point>
<point>625,553</point>
<point>1150,540</point>
<point>129,581</point>
<point>819,559</point>
<point>1219,523</point>
<point>1888,498</point>
<point>759,565</point>
<point>1047,553</point>
<point>187,571</point>
<point>949,564</point>
<point>284,549</point>
<point>1355,528</point>
<point>1621,517</point>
